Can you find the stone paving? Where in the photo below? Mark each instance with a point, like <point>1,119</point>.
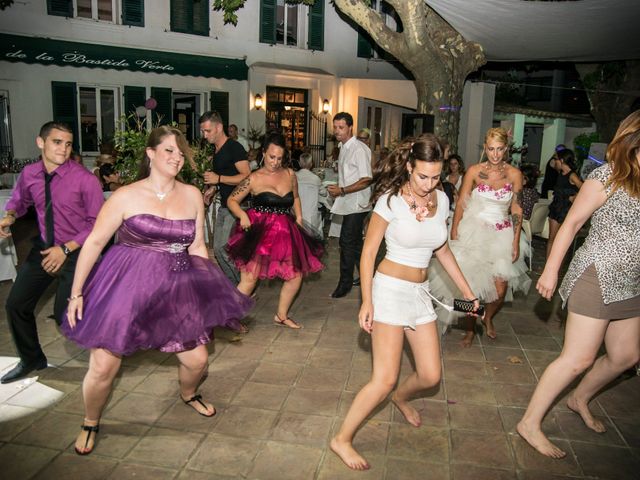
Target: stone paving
<point>281,393</point>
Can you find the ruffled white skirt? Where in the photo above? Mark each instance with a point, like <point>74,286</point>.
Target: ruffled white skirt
<point>483,252</point>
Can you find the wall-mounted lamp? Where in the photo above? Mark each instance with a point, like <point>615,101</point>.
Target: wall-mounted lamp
<point>325,106</point>
<point>257,101</point>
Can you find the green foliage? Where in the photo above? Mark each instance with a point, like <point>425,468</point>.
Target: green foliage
<point>611,74</point>
<point>582,144</point>
<point>231,7</point>
<point>254,134</point>
<point>193,172</point>
<point>130,143</point>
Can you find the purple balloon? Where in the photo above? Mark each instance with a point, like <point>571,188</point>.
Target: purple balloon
<point>151,103</point>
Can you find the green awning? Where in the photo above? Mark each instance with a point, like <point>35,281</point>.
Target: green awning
<point>17,48</point>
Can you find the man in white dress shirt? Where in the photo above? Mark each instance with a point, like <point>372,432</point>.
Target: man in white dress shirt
<point>352,198</point>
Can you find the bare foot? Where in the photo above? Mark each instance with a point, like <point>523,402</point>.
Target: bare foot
<point>411,415</point>
<point>489,330</point>
<point>539,441</point>
<point>199,405</point>
<point>467,341</point>
<point>582,409</point>
<point>348,455</point>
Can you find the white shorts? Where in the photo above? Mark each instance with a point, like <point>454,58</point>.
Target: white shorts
<point>400,302</point>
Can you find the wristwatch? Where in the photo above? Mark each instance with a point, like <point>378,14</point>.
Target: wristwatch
<point>342,192</point>
<point>65,249</point>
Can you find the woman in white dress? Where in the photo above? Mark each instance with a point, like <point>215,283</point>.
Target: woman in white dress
<point>485,233</point>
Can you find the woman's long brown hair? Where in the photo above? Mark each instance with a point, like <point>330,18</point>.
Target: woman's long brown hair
<point>390,173</point>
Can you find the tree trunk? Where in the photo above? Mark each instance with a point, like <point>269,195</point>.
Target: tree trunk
<point>611,96</point>
<point>439,58</point>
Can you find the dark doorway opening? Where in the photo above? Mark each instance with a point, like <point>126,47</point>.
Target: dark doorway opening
<point>185,114</point>
<point>287,107</point>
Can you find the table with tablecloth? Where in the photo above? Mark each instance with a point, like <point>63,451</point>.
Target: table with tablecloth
<point>8,256</point>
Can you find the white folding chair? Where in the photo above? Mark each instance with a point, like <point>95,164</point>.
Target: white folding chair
<point>536,225</point>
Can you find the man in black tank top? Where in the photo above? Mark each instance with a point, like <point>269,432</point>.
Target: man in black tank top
<point>230,167</point>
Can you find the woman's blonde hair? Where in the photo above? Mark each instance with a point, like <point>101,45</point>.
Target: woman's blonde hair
<point>622,155</point>
<point>500,135</point>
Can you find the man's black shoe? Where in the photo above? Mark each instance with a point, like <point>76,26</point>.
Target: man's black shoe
<point>21,371</point>
<point>356,282</point>
<point>341,291</point>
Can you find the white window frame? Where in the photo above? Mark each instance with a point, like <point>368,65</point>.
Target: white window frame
<point>303,18</point>
<point>389,21</point>
<point>116,112</point>
<point>115,10</point>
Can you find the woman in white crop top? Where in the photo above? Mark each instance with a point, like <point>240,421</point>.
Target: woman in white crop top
<point>411,215</point>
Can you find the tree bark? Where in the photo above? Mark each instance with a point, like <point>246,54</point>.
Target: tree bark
<point>438,57</point>
<point>611,97</point>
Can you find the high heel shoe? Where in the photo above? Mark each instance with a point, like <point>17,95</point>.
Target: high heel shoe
<point>90,429</point>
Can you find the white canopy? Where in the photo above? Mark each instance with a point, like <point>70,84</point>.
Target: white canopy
<point>518,30</point>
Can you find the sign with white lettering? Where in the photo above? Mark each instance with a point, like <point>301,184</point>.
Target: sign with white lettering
<point>16,48</point>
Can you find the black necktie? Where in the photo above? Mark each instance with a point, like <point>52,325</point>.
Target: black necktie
<point>48,209</point>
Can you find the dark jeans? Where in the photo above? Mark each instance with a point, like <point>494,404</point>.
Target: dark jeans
<point>350,246</point>
<point>30,284</point>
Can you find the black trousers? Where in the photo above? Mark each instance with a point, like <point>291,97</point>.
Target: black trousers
<point>31,283</point>
<point>350,245</point>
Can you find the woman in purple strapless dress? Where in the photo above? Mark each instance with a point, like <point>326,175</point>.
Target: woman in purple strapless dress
<point>155,288</point>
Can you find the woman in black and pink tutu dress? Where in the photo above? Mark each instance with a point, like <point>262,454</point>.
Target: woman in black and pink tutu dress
<point>155,288</point>
<point>268,242</point>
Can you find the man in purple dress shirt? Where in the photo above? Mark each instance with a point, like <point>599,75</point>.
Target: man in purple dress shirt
<point>67,198</point>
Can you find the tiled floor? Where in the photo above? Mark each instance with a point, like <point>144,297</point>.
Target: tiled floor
<point>281,393</point>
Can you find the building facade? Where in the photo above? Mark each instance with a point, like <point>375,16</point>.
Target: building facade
<point>89,62</point>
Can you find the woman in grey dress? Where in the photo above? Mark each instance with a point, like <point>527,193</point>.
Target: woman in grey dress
<point>602,287</point>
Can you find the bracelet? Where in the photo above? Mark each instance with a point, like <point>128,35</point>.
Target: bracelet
<point>74,297</point>
<point>473,299</point>
<point>219,179</point>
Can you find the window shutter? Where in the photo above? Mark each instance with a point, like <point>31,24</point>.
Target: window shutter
<point>164,110</point>
<point>62,8</point>
<point>134,97</point>
<point>220,103</point>
<point>133,12</point>
<point>65,107</point>
<point>201,17</point>
<point>181,16</point>
<point>316,26</point>
<point>268,21</point>
<point>365,44</point>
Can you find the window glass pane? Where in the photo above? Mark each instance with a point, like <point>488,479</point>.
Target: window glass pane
<point>299,97</point>
<point>280,21</point>
<point>84,8</point>
<point>107,115</point>
<point>88,120</point>
<point>105,10</point>
<point>292,25</point>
